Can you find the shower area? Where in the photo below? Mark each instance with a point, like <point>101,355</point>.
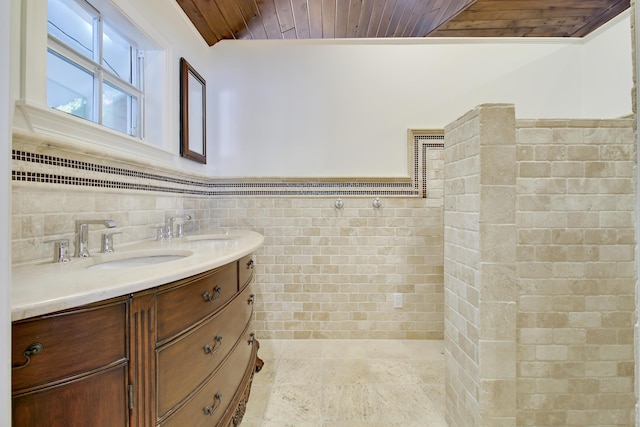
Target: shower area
<point>521,259</point>
<point>540,270</point>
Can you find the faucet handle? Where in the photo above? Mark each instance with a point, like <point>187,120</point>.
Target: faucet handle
<point>161,231</point>
<point>179,232</point>
<point>60,250</point>
<point>107,242</point>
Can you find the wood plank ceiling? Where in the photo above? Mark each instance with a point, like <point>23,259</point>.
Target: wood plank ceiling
<point>216,20</point>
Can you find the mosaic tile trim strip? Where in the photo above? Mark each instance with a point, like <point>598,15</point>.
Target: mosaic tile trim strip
<point>423,141</point>
<point>29,167</point>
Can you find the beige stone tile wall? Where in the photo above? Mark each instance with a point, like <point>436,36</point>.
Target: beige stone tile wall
<point>461,264</point>
<point>45,212</point>
<point>576,195</point>
<point>497,296</point>
<point>480,310</point>
<point>329,273</point>
<point>539,270</point>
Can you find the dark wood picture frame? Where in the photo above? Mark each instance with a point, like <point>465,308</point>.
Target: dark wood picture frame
<point>193,102</point>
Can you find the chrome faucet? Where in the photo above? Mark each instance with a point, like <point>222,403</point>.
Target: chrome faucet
<point>171,230</point>
<point>82,235</point>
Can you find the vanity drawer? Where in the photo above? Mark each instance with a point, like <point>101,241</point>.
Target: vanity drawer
<point>98,400</point>
<point>73,342</point>
<point>207,407</point>
<point>245,271</point>
<point>204,348</point>
<point>194,299</point>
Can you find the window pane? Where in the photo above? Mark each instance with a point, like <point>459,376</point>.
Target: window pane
<point>69,87</point>
<point>118,54</point>
<point>80,38</point>
<point>119,109</point>
<point>72,25</point>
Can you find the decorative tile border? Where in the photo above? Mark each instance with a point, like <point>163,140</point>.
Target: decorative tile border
<point>50,169</point>
<point>421,141</point>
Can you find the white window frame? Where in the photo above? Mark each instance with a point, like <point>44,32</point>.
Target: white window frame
<point>33,115</point>
<point>102,75</point>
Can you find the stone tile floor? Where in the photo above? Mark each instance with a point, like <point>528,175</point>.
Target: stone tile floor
<point>340,383</point>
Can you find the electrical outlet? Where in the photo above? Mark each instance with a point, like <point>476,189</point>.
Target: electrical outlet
<point>397,300</point>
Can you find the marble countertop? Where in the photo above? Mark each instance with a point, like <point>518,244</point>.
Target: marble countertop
<point>46,287</point>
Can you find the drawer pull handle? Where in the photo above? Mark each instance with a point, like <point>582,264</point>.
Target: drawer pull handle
<point>33,349</point>
<point>252,338</point>
<point>208,349</point>
<point>251,299</point>
<point>210,410</point>
<point>217,291</point>
<point>250,265</point>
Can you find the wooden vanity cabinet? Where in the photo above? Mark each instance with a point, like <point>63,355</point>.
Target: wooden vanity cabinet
<point>182,354</point>
<point>70,368</point>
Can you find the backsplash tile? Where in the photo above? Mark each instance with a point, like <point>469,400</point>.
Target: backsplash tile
<point>322,272</point>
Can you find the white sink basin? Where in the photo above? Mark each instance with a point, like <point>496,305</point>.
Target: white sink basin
<point>137,259</point>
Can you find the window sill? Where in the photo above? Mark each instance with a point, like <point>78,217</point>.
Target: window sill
<point>85,135</point>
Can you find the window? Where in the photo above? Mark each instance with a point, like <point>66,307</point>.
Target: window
<point>94,71</point>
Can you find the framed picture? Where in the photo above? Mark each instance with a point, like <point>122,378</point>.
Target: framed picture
<point>193,102</point>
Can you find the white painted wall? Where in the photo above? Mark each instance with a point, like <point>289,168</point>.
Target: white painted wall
<point>607,51</point>
<point>166,24</point>
<point>342,108</point>
<point>5,212</point>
